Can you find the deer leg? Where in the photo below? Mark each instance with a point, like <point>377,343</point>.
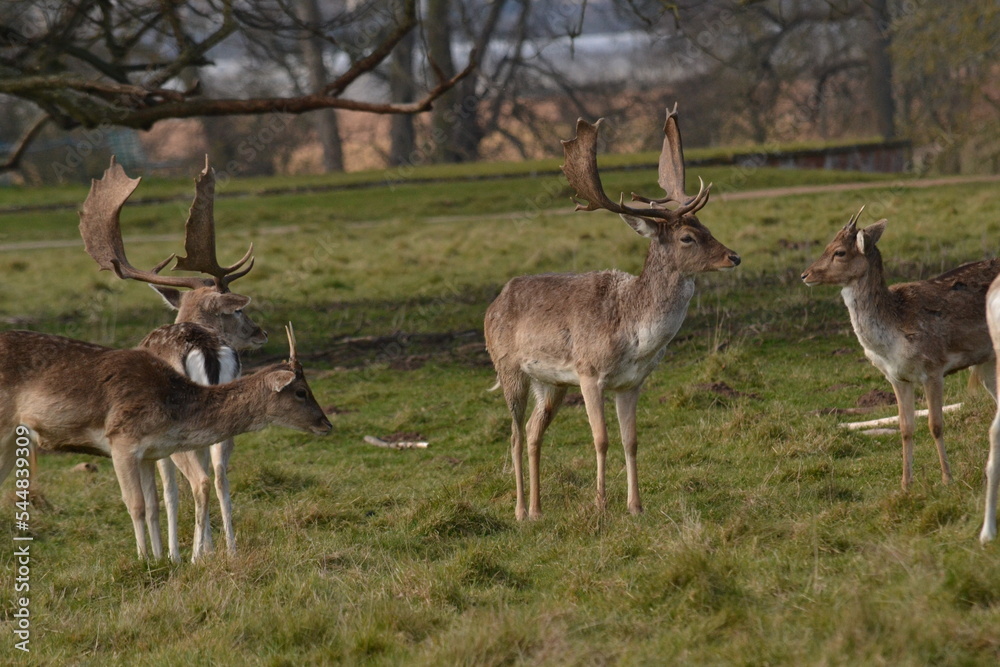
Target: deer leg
<point>625,405</point>
<point>220,452</point>
<point>904,400</point>
<point>129,479</point>
<point>32,460</point>
<point>989,530</point>
<point>8,455</point>
<point>934,388</point>
<point>547,402</point>
<point>515,391</point>
<point>987,372</point>
<point>593,399</point>
<point>193,466</point>
<point>147,478</point>
<point>168,477</point>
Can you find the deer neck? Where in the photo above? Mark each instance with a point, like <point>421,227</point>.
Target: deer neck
<point>657,300</point>
<point>662,287</point>
<point>224,411</point>
<point>874,312</point>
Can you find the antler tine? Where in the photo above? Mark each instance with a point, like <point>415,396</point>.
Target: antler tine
<point>697,202</point>
<point>581,171</point>
<point>199,235</point>
<point>100,228</point>
<point>290,333</point>
<point>852,224</point>
<point>159,267</point>
<point>225,280</point>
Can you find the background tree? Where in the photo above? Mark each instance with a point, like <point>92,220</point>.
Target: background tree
<point>91,63</point>
<point>760,72</point>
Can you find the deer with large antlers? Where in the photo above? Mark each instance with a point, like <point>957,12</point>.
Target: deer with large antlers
<point>603,330</point>
<point>132,406</point>
<point>208,357</point>
<point>914,333</point>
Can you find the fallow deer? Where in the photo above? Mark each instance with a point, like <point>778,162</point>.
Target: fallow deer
<point>914,333</point>
<point>989,531</point>
<point>132,406</point>
<point>603,330</point>
<point>206,358</point>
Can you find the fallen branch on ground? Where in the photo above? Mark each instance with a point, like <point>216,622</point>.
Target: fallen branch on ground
<point>888,421</point>
<point>379,442</point>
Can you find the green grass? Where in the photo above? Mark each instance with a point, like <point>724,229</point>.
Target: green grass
<point>770,536</point>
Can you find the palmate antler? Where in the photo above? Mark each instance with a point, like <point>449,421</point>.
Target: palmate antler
<point>100,228</point>
<point>581,172</point>
<point>199,236</point>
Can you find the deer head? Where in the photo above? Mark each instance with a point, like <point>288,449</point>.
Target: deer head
<point>208,301</point>
<point>674,230</point>
<point>848,256</point>
<point>295,406</point>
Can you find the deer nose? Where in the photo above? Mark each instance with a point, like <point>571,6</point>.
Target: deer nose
<point>735,259</point>
<point>323,426</point>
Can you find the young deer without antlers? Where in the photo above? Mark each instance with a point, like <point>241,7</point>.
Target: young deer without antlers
<point>604,330</point>
<point>132,406</point>
<point>206,357</point>
<point>913,332</point>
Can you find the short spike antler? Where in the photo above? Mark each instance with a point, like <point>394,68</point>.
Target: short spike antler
<point>581,171</point>
<point>853,223</point>
<point>290,333</point>
<point>100,228</point>
<point>199,236</point>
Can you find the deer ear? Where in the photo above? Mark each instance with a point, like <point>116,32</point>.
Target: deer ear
<point>229,303</point>
<point>278,380</point>
<point>642,226</point>
<point>874,230</point>
<point>170,295</point>
<point>871,234</point>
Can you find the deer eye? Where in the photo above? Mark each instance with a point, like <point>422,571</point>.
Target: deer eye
<point>300,393</point>
<point>687,238</point>
<point>840,253</point>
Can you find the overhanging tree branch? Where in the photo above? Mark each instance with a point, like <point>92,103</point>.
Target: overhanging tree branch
<point>95,63</point>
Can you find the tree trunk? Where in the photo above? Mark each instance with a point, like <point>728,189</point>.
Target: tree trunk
<point>402,88</point>
<point>883,99</point>
<point>444,113</point>
<point>325,120</point>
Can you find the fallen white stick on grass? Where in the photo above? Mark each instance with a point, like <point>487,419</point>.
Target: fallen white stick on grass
<point>379,442</point>
<point>880,431</point>
<point>888,421</point>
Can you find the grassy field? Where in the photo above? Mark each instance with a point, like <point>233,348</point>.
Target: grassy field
<point>771,536</point>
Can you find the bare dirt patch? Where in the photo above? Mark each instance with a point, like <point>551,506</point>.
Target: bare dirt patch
<point>876,398</point>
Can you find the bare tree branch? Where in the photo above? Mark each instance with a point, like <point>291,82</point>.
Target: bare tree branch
<point>14,159</point>
<point>95,62</point>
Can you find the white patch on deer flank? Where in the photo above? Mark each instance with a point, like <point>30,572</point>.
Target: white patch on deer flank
<point>229,365</point>
<point>194,366</point>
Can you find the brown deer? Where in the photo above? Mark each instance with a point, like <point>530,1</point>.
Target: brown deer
<point>132,406</point>
<point>603,330</point>
<point>915,333</point>
<point>206,357</point>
